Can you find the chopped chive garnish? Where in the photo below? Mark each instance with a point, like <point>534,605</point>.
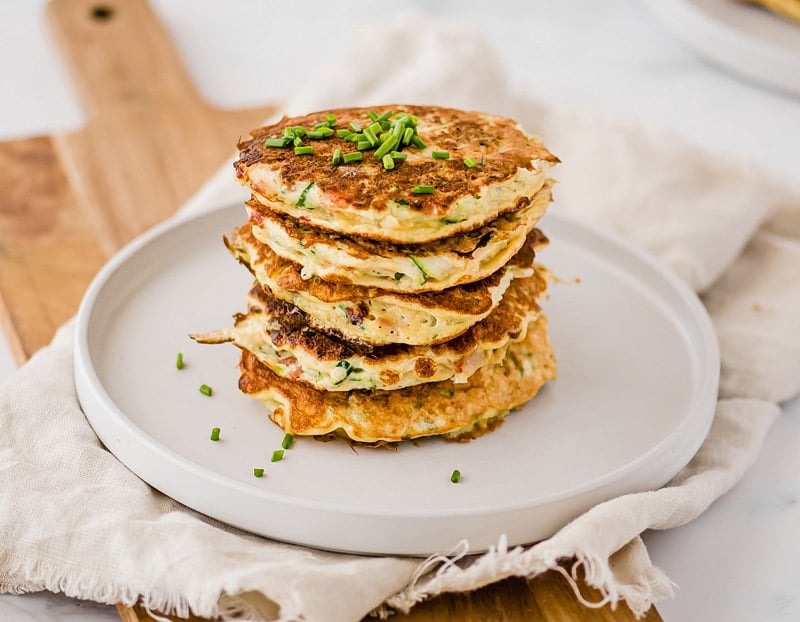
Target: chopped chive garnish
<point>344,133</point>
<point>356,126</point>
<point>423,189</point>
<point>383,137</point>
<point>440,155</point>
<point>408,134</point>
<point>337,156</point>
<point>276,142</point>
<point>413,119</point>
<point>361,145</point>
<point>301,200</point>
<point>288,441</point>
<point>369,132</point>
<point>179,361</point>
<point>319,125</point>
<point>418,142</point>
<point>322,132</point>
<point>470,162</point>
<point>388,162</point>
<point>289,133</point>
<point>373,115</point>
<point>386,147</point>
<point>330,119</point>
<point>214,434</point>
<point>455,477</point>
<point>297,141</point>
<point>298,130</point>
<point>398,155</point>
<point>258,472</point>
<point>354,156</point>
<point>398,129</point>
<point>385,116</point>
<point>277,455</point>
<point>307,150</point>
<point>375,127</point>
<point>206,390</point>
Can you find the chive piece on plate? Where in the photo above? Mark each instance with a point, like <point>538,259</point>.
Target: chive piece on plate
<point>206,390</point>
<point>337,156</point>
<point>470,162</point>
<point>388,162</point>
<point>440,155</point>
<point>330,119</point>
<point>398,155</point>
<point>423,189</point>
<point>344,133</point>
<point>288,441</point>
<point>277,455</point>
<point>214,434</point>
<point>258,472</point>
<point>455,477</point>
<point>179,361</point>
<point>307,150</point>
<point>355,126</point>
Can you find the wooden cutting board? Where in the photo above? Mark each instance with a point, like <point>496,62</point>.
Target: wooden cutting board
<point>68,201</point>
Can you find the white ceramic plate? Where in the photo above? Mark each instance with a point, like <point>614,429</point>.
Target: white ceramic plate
<point>638,366</point>
<point>744,39</point>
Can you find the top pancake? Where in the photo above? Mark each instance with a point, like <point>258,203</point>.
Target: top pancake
<point>363,199</point>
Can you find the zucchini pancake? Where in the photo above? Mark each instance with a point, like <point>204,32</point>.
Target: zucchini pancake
<point>396,291</point>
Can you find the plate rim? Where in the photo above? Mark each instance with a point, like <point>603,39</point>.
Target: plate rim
<point>87,379</point>
<point>744,54</point>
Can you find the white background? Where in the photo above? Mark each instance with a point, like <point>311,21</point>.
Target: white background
<point>737,561</point>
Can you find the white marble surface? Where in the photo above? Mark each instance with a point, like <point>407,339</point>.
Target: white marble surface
<point>734,563</point>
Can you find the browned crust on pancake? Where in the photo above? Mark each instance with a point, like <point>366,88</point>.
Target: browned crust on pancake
<point>291,328</point>
<point>468,299</point>
<point>464,243</point>
<point>367,186</point>
<point>406,413</point>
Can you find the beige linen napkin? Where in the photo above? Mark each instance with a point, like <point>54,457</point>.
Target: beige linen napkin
<point>73,519</point>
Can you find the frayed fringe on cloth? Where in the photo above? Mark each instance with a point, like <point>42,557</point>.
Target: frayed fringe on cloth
<point>456,573</point>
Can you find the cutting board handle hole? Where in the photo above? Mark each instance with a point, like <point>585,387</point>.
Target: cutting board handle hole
<point>102,13</point>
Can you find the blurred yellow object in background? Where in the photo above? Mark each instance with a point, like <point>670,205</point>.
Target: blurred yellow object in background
<point>784,8</point>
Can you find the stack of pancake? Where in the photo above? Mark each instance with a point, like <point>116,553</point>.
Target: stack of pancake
<point>395,294</point>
